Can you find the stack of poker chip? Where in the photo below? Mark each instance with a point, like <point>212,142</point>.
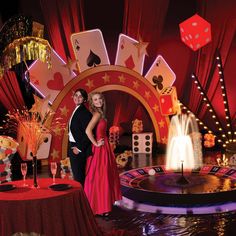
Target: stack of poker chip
<point>66,172</point>
<point>8,147</point>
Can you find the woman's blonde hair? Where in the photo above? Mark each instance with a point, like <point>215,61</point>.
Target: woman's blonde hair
<point>95,109</point>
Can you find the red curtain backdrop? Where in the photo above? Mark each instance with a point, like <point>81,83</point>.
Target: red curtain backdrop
<point>223,24</point>
<point>10,93</point>
<point>62,18</point>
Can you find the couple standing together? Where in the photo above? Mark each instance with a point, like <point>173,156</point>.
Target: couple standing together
<point>92,160</point>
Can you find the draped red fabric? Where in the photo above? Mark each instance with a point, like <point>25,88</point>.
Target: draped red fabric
<point>62,18</point>
<point>145,19</point>
<point>10,93</point>
<point>223,21</point>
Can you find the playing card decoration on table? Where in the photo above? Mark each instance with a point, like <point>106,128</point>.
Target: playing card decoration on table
<point>137,126</point>
<point>195,32</point>
<point>114,135</point>
<point>160,75</point>
<point>50,81</point>
<point>168,101</point>
<point>8,147</point>
<point>66,172</point>
<point>122,159</point>
<point>131,53</point>
<point>89,49</point>
<point>209,140</point>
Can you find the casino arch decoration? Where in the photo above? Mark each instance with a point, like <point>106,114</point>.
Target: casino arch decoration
<point>107,78</point>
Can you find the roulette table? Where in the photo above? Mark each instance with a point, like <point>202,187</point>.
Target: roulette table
<point>154,185</point>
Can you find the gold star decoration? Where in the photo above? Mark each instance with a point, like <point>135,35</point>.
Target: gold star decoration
<point>141,47</point>
<point>57,130</point>
<point>89,84</point>
<point>41,106</point>
<point>106,78</point>
<point>161,123</point>
<point>122,78</point>
<point>136,84</point>
<point>54,154</point>
<point>64,111</point>
<point>77,67</point>
<point>147,95</point>
<point>164,140</point>
<point>69,64</point>
<point>156,108</point>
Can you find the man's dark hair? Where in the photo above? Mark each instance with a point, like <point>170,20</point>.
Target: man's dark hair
<point>83,93</point>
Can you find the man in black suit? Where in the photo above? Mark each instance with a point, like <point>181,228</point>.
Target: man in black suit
<point>79,146</point>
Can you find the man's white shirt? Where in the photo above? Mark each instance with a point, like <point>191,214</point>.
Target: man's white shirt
<point>71,138</point>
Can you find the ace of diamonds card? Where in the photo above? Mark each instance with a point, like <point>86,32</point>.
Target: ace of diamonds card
<point>128,54</point>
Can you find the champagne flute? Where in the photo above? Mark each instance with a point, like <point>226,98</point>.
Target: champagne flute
<point>23,167</point>
<point>53,171</point>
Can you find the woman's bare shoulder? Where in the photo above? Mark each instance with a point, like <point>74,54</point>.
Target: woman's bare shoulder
<point>96,115</point>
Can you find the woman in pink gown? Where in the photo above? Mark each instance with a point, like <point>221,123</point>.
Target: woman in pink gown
<point>102,183</point>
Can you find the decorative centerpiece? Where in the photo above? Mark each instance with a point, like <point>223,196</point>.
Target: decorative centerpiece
<point>33,127</point>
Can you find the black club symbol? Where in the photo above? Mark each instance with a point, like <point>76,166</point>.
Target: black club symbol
<point>157,80</point>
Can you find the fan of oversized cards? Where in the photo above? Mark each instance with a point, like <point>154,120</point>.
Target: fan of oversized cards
<point>90,51</point>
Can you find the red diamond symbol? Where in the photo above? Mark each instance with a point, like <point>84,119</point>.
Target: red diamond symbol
<point>129,63</point>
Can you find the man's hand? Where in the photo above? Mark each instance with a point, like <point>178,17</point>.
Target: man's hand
<point>75,150</point>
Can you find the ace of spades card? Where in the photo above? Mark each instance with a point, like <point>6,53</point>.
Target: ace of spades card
<point>128,54</point>
<point>160,75</point>
<point>89,49</point>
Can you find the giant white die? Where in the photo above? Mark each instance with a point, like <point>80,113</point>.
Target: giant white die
<point>142,143</point>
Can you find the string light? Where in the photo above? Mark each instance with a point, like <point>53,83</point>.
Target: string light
<point>225,99</point>
<point>211,109</point>
<point>200,122</point>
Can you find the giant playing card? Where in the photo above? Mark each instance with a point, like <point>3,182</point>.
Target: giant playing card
<point>129,54</point>
<point>160,74</point>
<point>50,81</point>
<point>89,49</point>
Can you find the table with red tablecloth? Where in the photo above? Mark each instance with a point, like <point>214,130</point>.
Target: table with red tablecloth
<point>45,211</point>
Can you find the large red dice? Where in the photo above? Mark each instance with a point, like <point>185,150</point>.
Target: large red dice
<point>195,32</point>
<point>168,101</point>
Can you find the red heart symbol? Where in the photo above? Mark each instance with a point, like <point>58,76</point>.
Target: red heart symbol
<point>56,83</point>
<point>36,82</point>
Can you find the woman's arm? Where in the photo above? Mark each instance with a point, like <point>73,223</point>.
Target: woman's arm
<point>89,130</point>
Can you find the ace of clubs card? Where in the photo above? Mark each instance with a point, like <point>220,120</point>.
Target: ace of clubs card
<point>160,74</point>
<point>89,49</point>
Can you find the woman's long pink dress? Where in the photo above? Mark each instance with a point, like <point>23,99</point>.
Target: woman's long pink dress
<point>102,183</point>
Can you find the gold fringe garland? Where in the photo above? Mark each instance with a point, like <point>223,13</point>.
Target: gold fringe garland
<point>23,49</point>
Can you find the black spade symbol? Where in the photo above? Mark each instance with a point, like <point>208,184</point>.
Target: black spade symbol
<point>157,80</point>
<point>93,59</point>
